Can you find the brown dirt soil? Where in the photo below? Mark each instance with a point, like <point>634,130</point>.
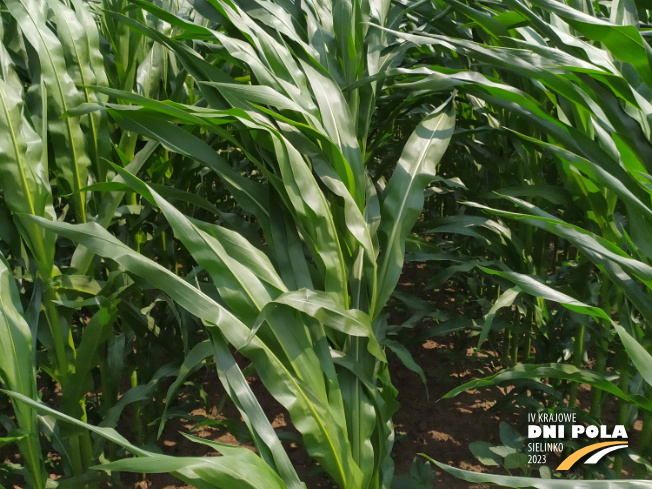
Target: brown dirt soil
<point>443,429</point>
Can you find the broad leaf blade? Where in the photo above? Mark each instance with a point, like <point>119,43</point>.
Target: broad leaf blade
<point>403,197</point>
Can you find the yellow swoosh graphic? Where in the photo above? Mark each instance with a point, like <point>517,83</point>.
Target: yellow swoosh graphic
<point>574,457</point>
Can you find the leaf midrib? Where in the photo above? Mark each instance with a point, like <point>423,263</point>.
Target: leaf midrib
<point>73,146</point>
<point>21,164</point>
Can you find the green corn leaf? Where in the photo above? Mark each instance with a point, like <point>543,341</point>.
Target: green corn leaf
<point>232,277</point>
<point>17,372</point>
<point>324,307</point>
<point>240,392</point>
<point>250,196</point>
<point>621,184</point>
<point>82,257</point>
<point>261,94</point>
<point>238,284</point>
<point>623,41</point>
<point>311,210</point>
<point>141,392</point>
<point>551,371</point>
<point>79,37</point>
<point>602,252</point>
<point>238,468</point>
<point>402,200</point>
<point>193,360</point>
<point>527,482</point>
<point>295,268</point>
<point>407,360</point>
<point>506,299</point>
<point>23,173</point>
<point>70,147</point>
<point>13,437</point>
<point>243,251</point>
<point>338,123</point>
<point>96,333</point>
<point>491,25</point>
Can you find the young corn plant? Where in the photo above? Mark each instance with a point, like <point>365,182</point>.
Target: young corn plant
<point>312,130</point>
<point>302,298</point>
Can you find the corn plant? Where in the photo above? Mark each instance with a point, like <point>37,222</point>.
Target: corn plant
<point>302,299</point>
<point>49,58</point>
<point>256,168</point>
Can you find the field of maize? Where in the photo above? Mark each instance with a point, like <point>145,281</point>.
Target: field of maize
<point>215,214</point>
